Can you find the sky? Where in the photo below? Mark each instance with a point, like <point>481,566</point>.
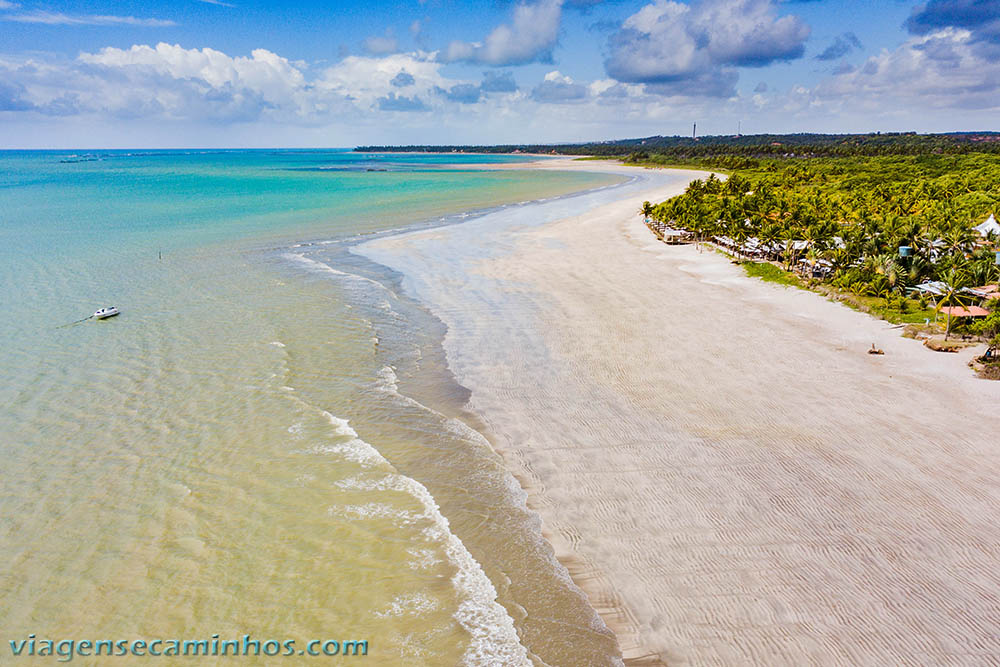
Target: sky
<point>264,73</point>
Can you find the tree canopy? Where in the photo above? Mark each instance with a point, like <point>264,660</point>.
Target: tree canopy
<point>871,225</point>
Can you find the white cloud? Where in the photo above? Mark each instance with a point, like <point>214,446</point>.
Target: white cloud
<point>56,18</point>
<point>941,70</point>
<point>170,86</point>
<point>934,82</point>
<point>529,37</point>
<point>264,72</point>
<point>691,47</point>
<point>169,82</point>
<point>5,4</point>
<point>367,79</point>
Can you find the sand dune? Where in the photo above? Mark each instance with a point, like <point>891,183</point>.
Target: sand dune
<point>725,471</point>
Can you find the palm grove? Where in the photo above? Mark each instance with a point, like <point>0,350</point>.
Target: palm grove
<point>869,226</point>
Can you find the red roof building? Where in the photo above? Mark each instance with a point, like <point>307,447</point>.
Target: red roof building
<point>968,311</point>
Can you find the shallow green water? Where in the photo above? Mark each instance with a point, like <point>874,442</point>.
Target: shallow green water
<point>241,451</point>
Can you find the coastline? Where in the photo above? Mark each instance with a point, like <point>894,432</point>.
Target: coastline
<point>241,374</point>
<point>602,360</point>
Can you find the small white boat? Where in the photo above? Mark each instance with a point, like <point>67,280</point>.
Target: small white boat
<point>105,313</point>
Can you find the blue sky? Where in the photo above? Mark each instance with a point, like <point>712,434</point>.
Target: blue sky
<point>256,73</point>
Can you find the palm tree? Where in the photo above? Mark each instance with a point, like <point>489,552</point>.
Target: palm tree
<point>983,268</point>
<point>990,329</point>
<point>646,210</point>
<point>769,236</point>
<point>920,269</point>
<point>737,230</point>
<point>955,281</point>
<point>959,239</point>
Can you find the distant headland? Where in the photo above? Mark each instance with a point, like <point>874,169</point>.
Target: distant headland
<point>749,145</point>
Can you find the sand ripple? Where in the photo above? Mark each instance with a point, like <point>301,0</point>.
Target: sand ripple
<point>718,462</point>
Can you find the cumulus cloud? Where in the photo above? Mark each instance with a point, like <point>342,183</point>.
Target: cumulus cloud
<point>529,37</point>
<point>263,71</point>
<point>942,70</point>
<point>980,17</point>
<point>168,82</point>
<point>367,79</point>
<point>692,47</point>
<point>57,18</point>
<point>840,47</point>
<point>172,81</point>
<point>558,88</point>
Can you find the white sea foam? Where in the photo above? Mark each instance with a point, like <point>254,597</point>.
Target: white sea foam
<point>387,381</point>
<point>422,558</point>
<point>355,449</point>
<point>374,511</point>
<point>315,265</point>
<point>493,638</point>
<point>340,426</point>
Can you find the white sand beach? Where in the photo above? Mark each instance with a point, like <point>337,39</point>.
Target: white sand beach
<point>718,462</point>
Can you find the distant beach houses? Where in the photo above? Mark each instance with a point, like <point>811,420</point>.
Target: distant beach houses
<point>908,252</point>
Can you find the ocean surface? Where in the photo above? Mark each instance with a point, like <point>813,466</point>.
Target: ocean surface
<point>267,440</point>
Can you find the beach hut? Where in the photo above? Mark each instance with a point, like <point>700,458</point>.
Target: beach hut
<point>985,292</point>
<point>674,236</point>
<point>933,288</point>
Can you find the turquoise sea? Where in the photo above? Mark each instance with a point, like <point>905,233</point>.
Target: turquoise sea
<point>267,440</point>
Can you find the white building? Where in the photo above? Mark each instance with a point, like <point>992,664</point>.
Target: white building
<point>988,226</point>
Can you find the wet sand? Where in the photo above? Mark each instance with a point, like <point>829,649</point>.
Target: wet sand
<point>717,461</point>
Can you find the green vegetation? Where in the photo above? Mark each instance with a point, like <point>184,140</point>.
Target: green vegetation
<point>865,229</point>
<point>771,273</point>
<point>678,150</point>
<point>989,329</point>
<point>899,310</point>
